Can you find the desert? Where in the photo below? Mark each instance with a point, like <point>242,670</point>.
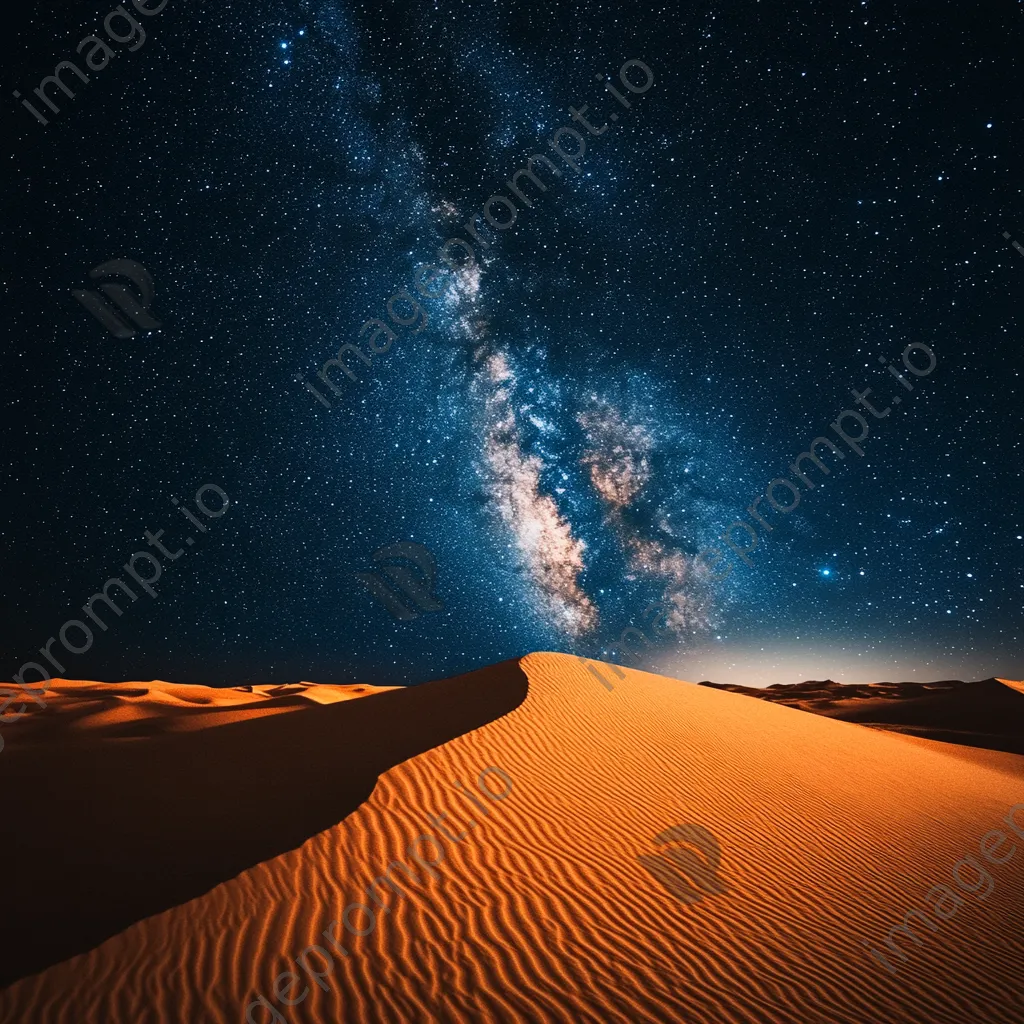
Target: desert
<point>171,852</point>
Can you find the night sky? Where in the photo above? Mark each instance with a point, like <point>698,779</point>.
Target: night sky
<point>595,395</point>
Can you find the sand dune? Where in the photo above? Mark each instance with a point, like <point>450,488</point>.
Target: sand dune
<point>988,714</point>
<point>137,821</point>
<point>110,710</point>
<point>271,826</point>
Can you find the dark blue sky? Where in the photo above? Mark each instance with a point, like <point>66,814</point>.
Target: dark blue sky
<point>802,190</point>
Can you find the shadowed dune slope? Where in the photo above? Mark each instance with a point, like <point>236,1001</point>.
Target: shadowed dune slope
<point>106,824</point>
<point>988,714</point>
<point>829,833</point>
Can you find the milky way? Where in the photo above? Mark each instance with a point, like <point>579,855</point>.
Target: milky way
<point>586,403</point>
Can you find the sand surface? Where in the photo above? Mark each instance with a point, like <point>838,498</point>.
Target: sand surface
<point>168,873</point>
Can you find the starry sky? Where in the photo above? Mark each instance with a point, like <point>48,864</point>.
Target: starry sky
<point>591,394</point>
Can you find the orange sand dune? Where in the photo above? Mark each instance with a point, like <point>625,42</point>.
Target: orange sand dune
<point>988,714</point>
<point>77,706</point>
<point>829,833</point>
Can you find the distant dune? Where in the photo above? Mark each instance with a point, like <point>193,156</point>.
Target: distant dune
<point>988,714</point>
<point>168,851</point>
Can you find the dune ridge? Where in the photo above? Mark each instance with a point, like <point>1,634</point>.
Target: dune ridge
<point>828,832</point>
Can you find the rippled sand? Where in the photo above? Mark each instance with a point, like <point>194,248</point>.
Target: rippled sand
<point>828,831</point>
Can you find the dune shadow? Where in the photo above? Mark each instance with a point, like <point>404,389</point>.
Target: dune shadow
<point>986,714</point>
<point>96,835</point>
